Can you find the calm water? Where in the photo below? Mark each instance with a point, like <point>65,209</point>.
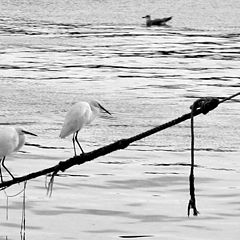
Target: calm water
<point>54,53</point>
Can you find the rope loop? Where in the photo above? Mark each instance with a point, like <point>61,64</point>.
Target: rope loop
<point>205,104</point>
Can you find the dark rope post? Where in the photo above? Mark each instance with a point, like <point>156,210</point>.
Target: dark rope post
<point>205,105</point>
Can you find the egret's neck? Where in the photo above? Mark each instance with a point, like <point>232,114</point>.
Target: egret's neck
<point>95,112</point>
<point>21,142</point>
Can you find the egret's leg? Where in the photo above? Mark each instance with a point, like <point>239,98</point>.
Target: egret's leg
<point>1,169</point>
<point>76,139</point>
<point>74,147</point>
<point>6,168</point>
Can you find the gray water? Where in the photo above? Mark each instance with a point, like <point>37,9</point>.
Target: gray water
<point>54,53</point>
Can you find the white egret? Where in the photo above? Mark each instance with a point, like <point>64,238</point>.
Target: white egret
<point>78,116</point>
<point>157,22</point>
<point>11,140</point>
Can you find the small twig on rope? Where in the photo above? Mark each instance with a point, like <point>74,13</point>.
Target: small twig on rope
<point>50,184</point>
<point>120,144</point>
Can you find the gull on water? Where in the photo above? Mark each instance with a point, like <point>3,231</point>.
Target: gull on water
<point>156,22</point>
<point>80,114</point>
<point>11,140</point>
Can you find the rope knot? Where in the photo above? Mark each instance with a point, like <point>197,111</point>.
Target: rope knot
<point>61,166</point>
<point>205,104</point>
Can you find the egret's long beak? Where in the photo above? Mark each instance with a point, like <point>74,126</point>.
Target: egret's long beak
<point>144,17</point>
<point>26,132</point>
<point>104,109</point>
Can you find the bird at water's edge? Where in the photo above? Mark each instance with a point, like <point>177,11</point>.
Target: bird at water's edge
<point>80,114</point>
<point>156,22</point>
<point>11,140</point>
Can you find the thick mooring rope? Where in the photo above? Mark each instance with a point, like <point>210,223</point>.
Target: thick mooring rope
<point>120,144</point>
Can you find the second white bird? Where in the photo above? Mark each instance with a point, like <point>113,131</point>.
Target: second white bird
<point>11,140</point>
<point>78,116</point>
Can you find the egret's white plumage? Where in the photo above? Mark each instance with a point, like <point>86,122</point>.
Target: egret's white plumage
<point>80,114</point>
<point>11,140</point>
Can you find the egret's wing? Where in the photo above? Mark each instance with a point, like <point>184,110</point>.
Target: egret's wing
<point>8,140</point>
<point>75,119</point>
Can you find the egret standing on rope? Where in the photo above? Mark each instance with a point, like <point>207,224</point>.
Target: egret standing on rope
<point>11,140</point>
<point>78,116</point>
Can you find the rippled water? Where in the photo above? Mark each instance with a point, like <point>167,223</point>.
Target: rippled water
<point>54,53</point>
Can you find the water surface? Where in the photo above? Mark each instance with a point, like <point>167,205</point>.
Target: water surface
<point>54,53</point>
